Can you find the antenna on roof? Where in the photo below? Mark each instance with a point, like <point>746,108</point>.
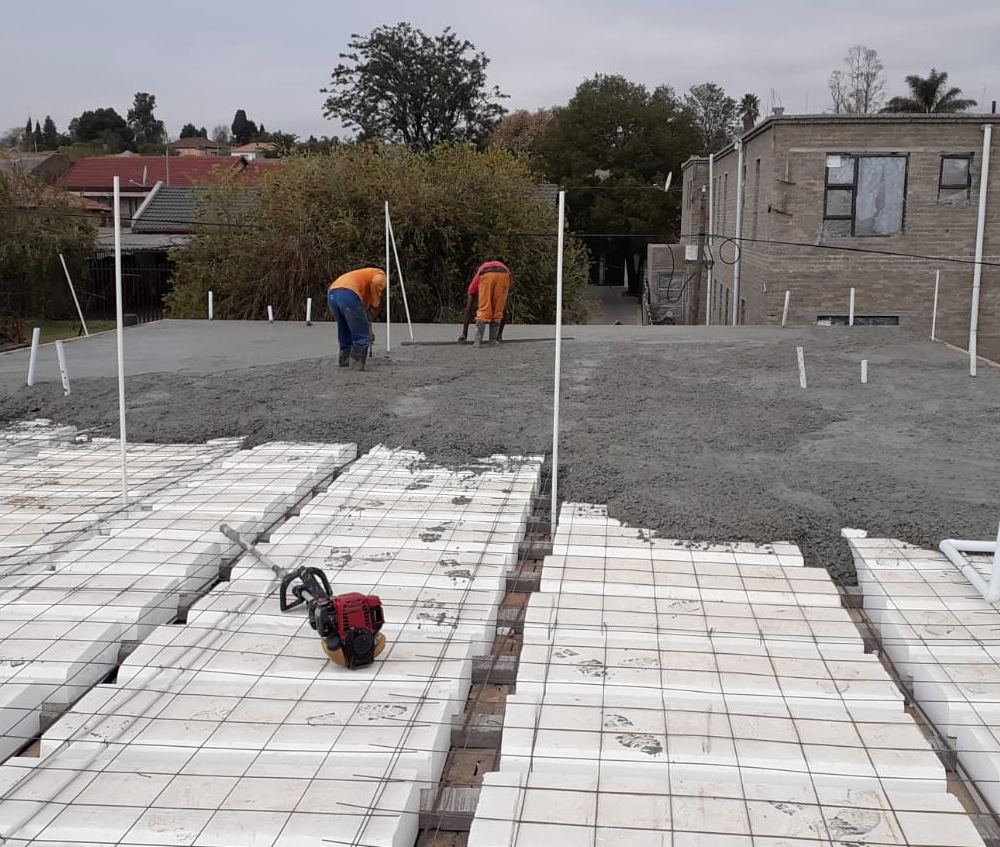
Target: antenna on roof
<point>145,174</point>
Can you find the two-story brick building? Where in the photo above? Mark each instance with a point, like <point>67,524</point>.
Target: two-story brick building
<point>822,191</point>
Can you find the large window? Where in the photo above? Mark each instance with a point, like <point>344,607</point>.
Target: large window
<point>865,195</point>
<point>956,178</point>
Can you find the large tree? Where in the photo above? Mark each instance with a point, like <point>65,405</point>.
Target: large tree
<point>143,123</point>
<point>749,110</point>
<point>50,135</point>
<point>105,126</point>
<point>930,94</point>
<point>518,131</point>
<point>243,128</point>
<point>859,88</point>
<point>398,84</point>
<point>714,113</point>
<point>611,146</point>
<point>191,131</point>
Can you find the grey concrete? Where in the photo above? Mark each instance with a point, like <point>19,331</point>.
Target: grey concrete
<point>698,432</point>
<point>613,306</point>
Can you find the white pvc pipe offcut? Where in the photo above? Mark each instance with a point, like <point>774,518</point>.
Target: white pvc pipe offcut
<point>977,273</point>
<point>270,314</point>
<point>850,310</point>
<point>309,311</point>
<point>784,312</point>
<point>36,337</point>
<point>63,373</point>
<point>937,282</point>
<point>953,549</point>
<point>399,273</point>
<point>72,291</point>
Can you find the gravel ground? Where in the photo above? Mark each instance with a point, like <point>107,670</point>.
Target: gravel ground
<point>698,434</point>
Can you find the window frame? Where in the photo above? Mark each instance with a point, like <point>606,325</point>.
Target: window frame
<point>967,157</point>
<point>853,188</point>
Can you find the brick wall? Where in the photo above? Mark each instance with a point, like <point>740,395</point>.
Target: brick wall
<point>785,167</point>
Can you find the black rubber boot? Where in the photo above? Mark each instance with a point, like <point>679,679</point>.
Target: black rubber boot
<point>494,333</point>
<point>360,355</point>
<point>345,359</point>
<point>480,329</point>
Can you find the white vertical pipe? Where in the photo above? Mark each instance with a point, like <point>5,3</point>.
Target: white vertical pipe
<point>739,233</point>
<point>61,356</point>
<point>270,314</point>
<point>72,291</point>
<point>309,311</point>
<point>850,310</point>
<point>864,371</point>
<point>977,274</point>
<point>119,308</point>
<point>558,369</point>
<point>937,282</point>
<point>36,337</point>
<point>211,306</point>
<point>784,312</point>
<point>711,238</point>
<point>388,310</point>
<point>802,367</point>
<point>399,273</point>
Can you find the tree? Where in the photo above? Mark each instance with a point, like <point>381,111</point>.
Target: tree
<point>191,131</point>
<point>243,129</point>
<point>27,139</point>
<point>50,135</point>
<point>37,225</point>
<point>930,95</point>
<point>860,89</point>
<point>749,110</point>
<point>714,114</point>
<point>518,131</point>
<point>320,216</point>
<point>220,134</point>
<point>611,145</point>
<point>398,84</point>
<point>144,125</point>
<point>36,138</point>
<point>105,126</point>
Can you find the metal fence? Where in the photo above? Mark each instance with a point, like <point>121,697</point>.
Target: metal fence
<point>145,282</point>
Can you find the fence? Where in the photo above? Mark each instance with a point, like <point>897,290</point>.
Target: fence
<point>145,282</point>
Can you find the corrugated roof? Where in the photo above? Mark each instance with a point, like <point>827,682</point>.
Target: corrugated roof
<point>97,173</point>
<point>135,242</point>
<point>179,208</point>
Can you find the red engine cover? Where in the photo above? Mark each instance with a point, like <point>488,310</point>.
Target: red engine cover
<point>357,611</point>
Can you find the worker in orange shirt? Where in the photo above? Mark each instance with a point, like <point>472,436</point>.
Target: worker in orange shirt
<point>350,298</point>
<point>491,283</point>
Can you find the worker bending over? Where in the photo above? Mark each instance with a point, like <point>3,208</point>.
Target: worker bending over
<point>350,298</point>
<point>490,286</point>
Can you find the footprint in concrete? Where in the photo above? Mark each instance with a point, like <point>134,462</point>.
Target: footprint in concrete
<point>338,560</point>
<point>380,711</point>
<point>613,721</point>
<point>592,667</point>
<point>565,653</point>
<point>461,574</point>
<point>853,823</point>
<point>461,501</point>
<point>648,744</point>
<point>641,662</point>
<point>430,537</point>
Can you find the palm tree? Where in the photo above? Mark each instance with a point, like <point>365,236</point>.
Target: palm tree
<point>929,95</point>
<point>749,110</point>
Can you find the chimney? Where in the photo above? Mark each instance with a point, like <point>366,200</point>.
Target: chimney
<point>778,111</point>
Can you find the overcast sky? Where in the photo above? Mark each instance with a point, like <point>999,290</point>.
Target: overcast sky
<point>203,59</point>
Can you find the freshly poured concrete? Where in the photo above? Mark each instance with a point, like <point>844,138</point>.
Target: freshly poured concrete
<point>235,729</point>
<point>937,629</point>
<point>692,695</point>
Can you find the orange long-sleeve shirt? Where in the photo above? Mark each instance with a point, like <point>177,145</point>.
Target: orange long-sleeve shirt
<point>367,283</point>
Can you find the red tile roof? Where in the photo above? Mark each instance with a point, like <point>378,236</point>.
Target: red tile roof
<point>97,173</point>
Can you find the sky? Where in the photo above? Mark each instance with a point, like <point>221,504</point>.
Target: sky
<point>204,59</point>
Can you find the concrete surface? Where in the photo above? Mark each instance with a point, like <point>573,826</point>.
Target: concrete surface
<point>613,306</point>
<point>699,432</point>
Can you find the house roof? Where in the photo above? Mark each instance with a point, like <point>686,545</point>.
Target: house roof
<point>97,173</point>
<point>195,143</point>
<point>51,194</point>
<point>140,242</point>
<point>179,209</point>
<point>254,147</point>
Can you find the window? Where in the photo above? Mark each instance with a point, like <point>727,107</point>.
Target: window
<point>956,178</point>
<point>865,195</point>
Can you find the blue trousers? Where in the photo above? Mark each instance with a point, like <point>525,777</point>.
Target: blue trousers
<point>352,319</point>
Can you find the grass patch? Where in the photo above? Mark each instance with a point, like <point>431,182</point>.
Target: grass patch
<point>61,330</point>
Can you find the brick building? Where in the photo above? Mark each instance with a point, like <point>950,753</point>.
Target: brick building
<point>886,182</point>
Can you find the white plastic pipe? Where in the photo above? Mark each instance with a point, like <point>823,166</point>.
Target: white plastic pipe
<point>977,273</point>
<point>937,282</point>
<point>36,337</point>
<point>61,356</point>
<point>711,238</point>
<point>739,233</point>
<point>953,549</point>
<point>270,314</point>
<point>784,312</point>
<point>864,371</point>
<point>309,311</point>
<point>211,306</point>
<point>119,309</point>
<point>554,517</point>
<point>802,367</point>
<point>850,310</point>
<point>388,309</point>
<point>399,273</point>
<point>72,291</point>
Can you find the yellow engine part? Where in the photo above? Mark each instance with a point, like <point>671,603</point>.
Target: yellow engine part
<point>338,654</point>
